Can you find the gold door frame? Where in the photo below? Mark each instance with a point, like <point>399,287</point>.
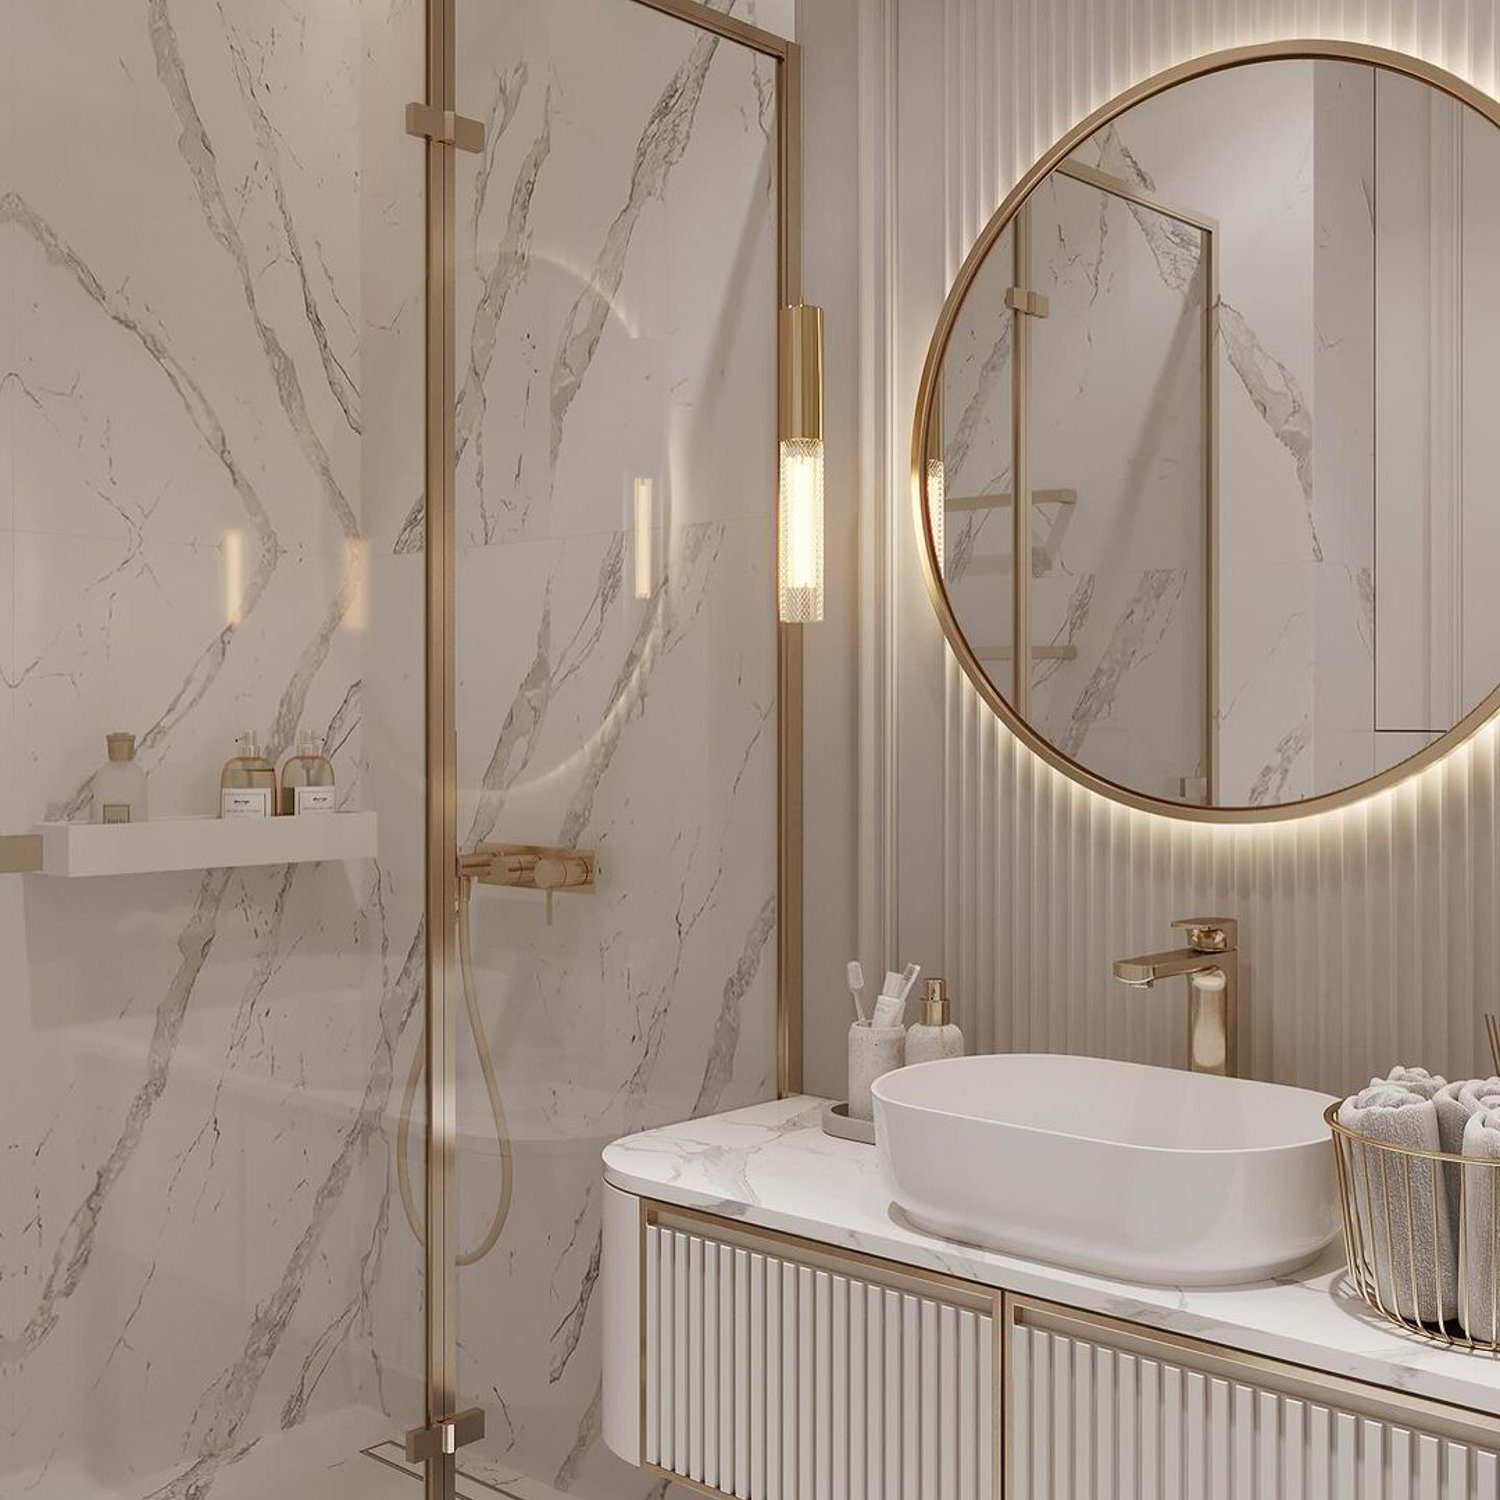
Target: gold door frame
<point>1311,49</point>
<point>440,1271</point>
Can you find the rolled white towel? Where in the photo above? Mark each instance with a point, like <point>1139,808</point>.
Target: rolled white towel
<point>1479,1297</point>
<point>1405,1221</point>
<point>1418,1080</point>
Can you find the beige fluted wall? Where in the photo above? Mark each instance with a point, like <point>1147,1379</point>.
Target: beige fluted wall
<point>1369,934</point>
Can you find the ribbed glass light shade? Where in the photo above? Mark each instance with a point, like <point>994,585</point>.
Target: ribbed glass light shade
<point>800,553</point>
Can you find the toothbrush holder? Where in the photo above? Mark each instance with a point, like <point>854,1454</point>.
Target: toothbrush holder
<point>873,1051</point>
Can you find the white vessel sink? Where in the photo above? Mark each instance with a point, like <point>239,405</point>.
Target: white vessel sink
<point>1148,1174</point>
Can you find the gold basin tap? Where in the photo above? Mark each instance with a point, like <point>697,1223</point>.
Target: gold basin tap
<point>1210,964</point>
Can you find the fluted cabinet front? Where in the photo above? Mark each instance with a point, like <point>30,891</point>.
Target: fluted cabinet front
<point>770,1378</point>
<point>1089,1421</point>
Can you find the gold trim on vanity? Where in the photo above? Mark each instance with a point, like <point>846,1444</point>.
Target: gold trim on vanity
<point>1012,213</point>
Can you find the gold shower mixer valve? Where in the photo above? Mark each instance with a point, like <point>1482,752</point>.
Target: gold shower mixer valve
<point>531,867</point>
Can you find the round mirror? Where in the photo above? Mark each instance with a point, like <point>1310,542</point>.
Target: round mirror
<point>1208,444</point>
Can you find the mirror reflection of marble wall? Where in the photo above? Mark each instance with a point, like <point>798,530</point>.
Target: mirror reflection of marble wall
<point>1356,240</point>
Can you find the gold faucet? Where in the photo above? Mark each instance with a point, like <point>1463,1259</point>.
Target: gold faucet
<point>1210,963</point>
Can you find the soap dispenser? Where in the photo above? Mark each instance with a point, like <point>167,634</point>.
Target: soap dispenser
<point>307,779</point>
<point>247,784</point>
<point>935,1035</point>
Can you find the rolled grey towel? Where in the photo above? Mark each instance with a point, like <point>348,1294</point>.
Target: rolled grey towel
<point>1455,1102</point>
<point>1479,1297</point>
<point>1405,1222</point>
<point>1422,1083</point>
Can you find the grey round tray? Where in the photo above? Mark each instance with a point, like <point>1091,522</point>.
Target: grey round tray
<point>836,1121</point>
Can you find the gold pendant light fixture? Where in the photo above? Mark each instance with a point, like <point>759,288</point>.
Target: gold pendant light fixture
<point>800,507</point>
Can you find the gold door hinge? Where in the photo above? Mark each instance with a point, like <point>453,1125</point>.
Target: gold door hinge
<point>1033,304</point>
<point>446,1436</point>
<point>445,127</point>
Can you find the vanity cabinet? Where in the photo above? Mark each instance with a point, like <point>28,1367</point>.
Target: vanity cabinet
<point>774,1370</point>
<point>758,1365</point>
<point>1100,1408</point>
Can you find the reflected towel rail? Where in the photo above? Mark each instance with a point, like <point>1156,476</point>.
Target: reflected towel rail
<point>1004,498</point>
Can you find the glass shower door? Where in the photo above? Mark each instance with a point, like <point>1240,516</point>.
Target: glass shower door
<point>211,433</point>
<point>616,663</point>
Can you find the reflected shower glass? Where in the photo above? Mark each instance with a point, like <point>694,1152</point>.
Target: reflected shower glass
<point>1120,499</point>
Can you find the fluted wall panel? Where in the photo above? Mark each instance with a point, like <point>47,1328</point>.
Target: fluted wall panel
<point>1369,934</point>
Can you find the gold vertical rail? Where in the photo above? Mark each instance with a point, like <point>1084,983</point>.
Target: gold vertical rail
<point>789,659</point>
<point>440,1279</point>
<point>1020,470</point>
<point>1212,540</point>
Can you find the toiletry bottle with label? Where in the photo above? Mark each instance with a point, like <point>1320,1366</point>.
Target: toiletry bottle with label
<point>935,1035</point>
<point>120,783</point>
<point>247,785</point>
<point>307,779</point>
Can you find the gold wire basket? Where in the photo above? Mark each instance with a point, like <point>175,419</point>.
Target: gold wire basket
<point>1422,1235</point>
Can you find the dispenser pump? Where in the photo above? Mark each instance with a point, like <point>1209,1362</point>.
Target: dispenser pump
<point>936,1010</point>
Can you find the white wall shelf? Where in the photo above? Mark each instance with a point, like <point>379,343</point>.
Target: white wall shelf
<point>75,849</point>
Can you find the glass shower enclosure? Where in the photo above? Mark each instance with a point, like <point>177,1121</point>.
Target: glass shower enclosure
<point>403,376</point>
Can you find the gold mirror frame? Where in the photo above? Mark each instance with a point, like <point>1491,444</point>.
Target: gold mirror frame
<point>1199,67</point>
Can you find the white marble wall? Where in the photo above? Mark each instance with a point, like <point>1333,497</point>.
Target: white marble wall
<point>197,1066</point>
<point>211,375</point>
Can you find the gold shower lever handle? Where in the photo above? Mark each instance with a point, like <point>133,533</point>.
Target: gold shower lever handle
<point>564,872</point>
<point>531,867</point>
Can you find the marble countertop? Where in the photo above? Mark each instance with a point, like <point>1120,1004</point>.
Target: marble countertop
<point>772,1165</point>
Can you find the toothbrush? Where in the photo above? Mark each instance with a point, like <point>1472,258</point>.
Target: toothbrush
<point>908,982</point>
<point>856,987</point>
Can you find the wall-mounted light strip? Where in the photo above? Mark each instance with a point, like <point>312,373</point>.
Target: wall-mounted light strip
<point>643,524</point>
<point>937,477</point>
<point>800,507</point>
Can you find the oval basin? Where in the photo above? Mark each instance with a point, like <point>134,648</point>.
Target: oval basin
<point>1147,1174</point>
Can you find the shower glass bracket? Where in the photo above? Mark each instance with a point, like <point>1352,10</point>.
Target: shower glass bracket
<point>445,1437</point>
<point>20,853</point>
<point>445,127</point>
<point>1032,304</point>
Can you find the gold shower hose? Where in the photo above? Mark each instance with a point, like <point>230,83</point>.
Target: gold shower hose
<point>492,1088</point>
